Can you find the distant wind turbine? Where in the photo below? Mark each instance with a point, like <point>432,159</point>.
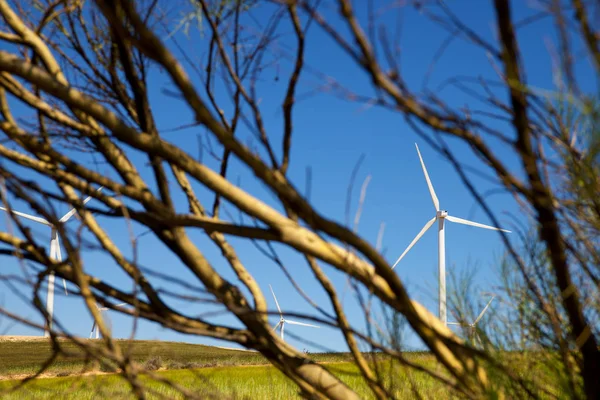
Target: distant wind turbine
<point>55,254</point>
<point>473,326</point>
<point>95,325</point>
<point>441,216</point>
<point>284,321</point>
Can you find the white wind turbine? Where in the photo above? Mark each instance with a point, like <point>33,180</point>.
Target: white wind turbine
<point>473,326</point>
<point>55,254</point>
<point>441,216</point>
<point>283,321</point>
<point>95,325</point>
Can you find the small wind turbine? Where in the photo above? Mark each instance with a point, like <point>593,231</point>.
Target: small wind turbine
<point>441,216</point>
<point>473,326</point>
<point>283,321</point>
<point>55,254</point>
<point>95,325</point>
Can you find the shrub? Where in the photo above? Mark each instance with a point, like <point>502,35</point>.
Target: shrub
<point>153,364</point>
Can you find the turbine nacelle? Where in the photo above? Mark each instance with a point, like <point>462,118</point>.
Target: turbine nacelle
<point>283,321</point>
<point>95,329</point>
<point>55,252</point>
<point>444,216</point>
<point>473,325</point>
<point>439,214</point>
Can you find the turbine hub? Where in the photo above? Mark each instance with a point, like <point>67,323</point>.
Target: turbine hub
<point>442,214</point>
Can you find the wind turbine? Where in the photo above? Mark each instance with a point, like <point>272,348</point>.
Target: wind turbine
<point>473,326</point>
<point>95,325</point>
<point>441,216</point>
<point>283,321</point>
<point>55,254</point>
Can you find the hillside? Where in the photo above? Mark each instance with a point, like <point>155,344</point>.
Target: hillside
<point>24,355</point>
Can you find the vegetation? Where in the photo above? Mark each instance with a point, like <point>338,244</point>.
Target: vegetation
<point>87,89</point>
<point>208,370</point>
<point>256,382</point>
<point>250,381</point>
<point>25,358</point>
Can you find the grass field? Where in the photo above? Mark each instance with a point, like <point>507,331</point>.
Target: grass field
<point>203,370</point>
<point>18,358</point>
<point>254,382</point>
<point>206,370</point>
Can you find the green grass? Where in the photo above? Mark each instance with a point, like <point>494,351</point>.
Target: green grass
<point>206,370</point>
<point>255,382</point>
<point>203,370</point>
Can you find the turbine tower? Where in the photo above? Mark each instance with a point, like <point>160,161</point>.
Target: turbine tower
<point>473,326</point>
<point>441,216</point>
<point>283,321</point>
<point>95,325</point>
<point>55,254</point>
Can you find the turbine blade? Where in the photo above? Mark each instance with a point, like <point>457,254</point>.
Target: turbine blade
<point>436,202</point>
<point>53,238</point>
<point>282,328</point>
<point>483,311</point>
<point>277,326</point>
<point>301,323</point>
<point>93,327</point>
<point>477,224</point>
<point>68,215</point>
<point>58,254</point>
<point>279,308</point>
<point>454,323</point>
<point>478,339</point>
<point>27,216</point>
<point>120,304</point>
<point>427,226</point>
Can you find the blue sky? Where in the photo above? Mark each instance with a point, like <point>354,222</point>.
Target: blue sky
<point>330,136</point>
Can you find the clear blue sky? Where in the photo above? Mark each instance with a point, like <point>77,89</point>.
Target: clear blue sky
<point>330,136</point>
